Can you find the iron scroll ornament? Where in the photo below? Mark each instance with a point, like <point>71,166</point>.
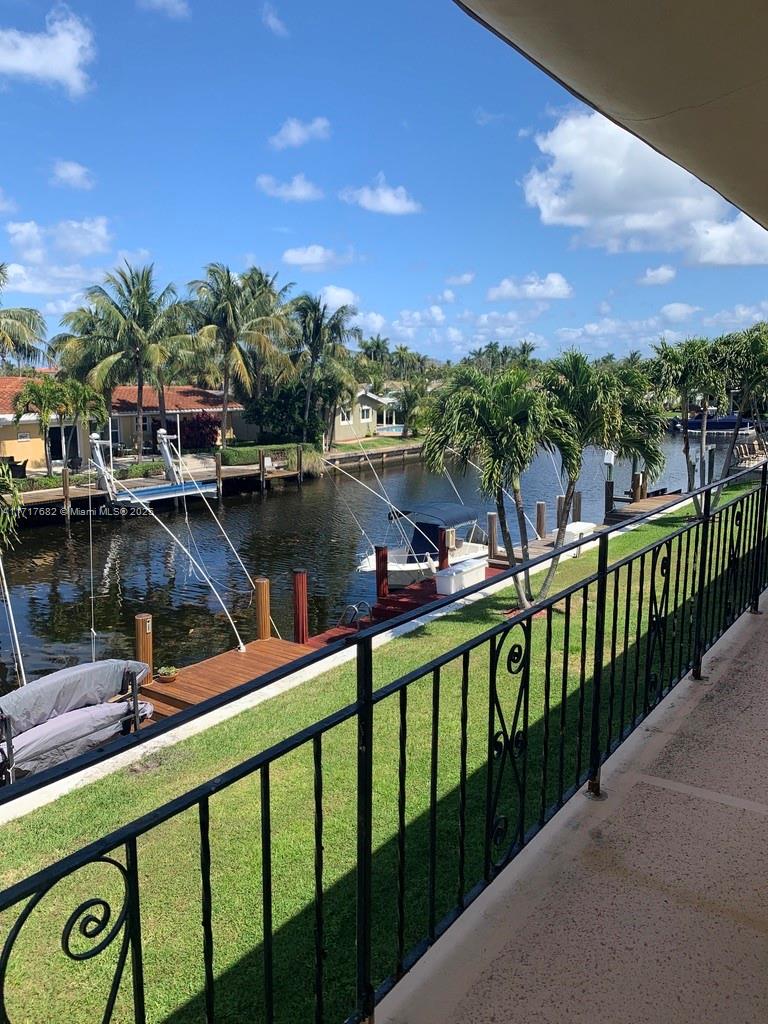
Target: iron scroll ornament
<point>94,919</point>
<point>656,656</point>
<point>508,745</point>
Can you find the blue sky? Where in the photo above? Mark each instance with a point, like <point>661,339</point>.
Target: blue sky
<point>394,155</point>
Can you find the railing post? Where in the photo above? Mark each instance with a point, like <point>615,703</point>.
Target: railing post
<point>300,607</point>
<point>382,572</point>
<point>759,557</point>
<point>364,825</point>
<point>593,783</point>
<point>698,639</point>
<point>263,618</point>
<point>144,650</point>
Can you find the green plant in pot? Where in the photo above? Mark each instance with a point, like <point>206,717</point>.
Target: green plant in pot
<point>167,673</point>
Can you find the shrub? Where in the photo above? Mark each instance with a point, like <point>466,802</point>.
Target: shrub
<point>248,455</point>
<point>200,431</point>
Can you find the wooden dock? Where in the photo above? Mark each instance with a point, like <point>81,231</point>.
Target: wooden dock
<point>628,510</point>
<point>223,672</point>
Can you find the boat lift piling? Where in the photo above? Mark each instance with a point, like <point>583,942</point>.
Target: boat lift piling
<point>144,640</point>
<point>262,602</point>
<point>300,607</point>
<point>382,574</point>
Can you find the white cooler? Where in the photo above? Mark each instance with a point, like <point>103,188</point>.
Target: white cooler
<point>460,575</point>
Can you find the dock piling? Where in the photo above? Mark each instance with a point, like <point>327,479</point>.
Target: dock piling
<point>262,471</point>
<point>493,519</point>
<point>637,485</point>
<point>442,549</point>
<point>218,473</point>
<point>300,607</point>
<point>541,518</point>
<point>263,617</point>
<point>300,465</point>
<point>577,506</point>
<point>144,640</point>
<point>382,575</point>
<point>560,507</point>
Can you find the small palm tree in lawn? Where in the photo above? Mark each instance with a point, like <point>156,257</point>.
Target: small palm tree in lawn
<point>410,399</point>
<point>80,402</point>
<point>44,396</point>
<point>320,333</point>
<point>22,329</point>
<point>335,386</point>
<point>239,314</point>
<point>602,408</point>
<point>498,421</point>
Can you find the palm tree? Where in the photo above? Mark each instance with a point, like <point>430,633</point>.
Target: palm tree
<point>744,356</point>
<point>21,329</point>
<point>320,333</point>
<point>409,400</point>
<point>402,361</point>
<point>376,349</point>
<point>605,409</point>
<point>80,402</point>
<point>44,395</point>
<point>335,385</point>
<point>498,420</point>
<point>238,314</point>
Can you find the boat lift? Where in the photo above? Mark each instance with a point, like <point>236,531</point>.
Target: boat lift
<point>174,488</point>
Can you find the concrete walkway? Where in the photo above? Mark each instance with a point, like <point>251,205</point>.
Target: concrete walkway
<point>648,907</point>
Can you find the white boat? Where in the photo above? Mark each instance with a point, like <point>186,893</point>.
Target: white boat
<point>418,558</point>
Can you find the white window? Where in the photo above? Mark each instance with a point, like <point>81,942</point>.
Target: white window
<point>345,416</point>
<point>365,413</point>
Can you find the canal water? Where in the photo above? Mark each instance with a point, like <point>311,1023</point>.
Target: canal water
<point>138,568</point>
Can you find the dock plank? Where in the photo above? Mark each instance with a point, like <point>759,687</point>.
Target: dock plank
<point>222,672</point>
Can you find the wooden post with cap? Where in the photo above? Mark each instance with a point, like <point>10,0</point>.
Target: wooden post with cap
<point>263,617</point>
<point>382,574</point>
<point>300,607</point>
<point>442,549</point>
<point>144,640</point>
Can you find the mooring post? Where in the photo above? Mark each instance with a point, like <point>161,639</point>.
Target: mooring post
<point>608,497</point>
<point>643,485</point>
<point>493,519</point>
<point>263,618</point>
<point>541,519</point>
<point>637,483</point>
<point>219,488</point>
<point>577,506</point>
<point>300,464</point>
<point>560,507</point>
<point>382,574</point>
<point>144,646</point>
<point>300,607</point>
<point>711,464</point>
<point>442,549</point>
<point>262,471</point>
<point>65,488</point>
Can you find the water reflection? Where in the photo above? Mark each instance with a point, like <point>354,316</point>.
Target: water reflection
<point>137,568</point>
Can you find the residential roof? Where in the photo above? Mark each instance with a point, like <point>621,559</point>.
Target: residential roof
<point>178,398</point>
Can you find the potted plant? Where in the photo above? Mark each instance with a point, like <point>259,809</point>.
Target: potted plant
<point>167,673</point>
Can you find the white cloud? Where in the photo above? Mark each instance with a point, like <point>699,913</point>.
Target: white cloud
<point>382,198</point>
<point>372,323</point>
<point>173,8</point>
<point>298,190</point>
<point>71,174</point>
<point>310,257</point>
<point>658,275</point>
<point>457,280</point>
<point>677,312</point>
<point>82,237</point>
<point>448,295</point>
<point>604,308</point>
<point>484,117</point>
<point>454,335</point>
<point>620,195</point>
<point>49,280</point>
<point>553,286</point>
<point>335,296</point>
<point>57,56</point>
<point>27,238</point>
<point>409,321</point>
<point>57,307</point>
<point>136,257</point>
<point>273,21</point>
<point>294,133</point>
<point>610,334</point>
<point>7,205</point>
<point>740,315</point>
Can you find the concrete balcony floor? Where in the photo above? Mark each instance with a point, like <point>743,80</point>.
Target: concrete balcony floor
<point>648,906</point>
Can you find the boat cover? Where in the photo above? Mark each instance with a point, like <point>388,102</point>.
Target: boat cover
<point>70,734</point>
<point>445,514</point>
<point>67,690</point>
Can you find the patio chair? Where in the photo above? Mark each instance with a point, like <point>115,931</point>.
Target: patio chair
<point>18,469</point>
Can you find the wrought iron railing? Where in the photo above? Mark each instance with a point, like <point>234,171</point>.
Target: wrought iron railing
<point>369,832</point>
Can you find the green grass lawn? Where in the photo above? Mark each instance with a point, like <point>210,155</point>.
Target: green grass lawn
<point>558,697</point>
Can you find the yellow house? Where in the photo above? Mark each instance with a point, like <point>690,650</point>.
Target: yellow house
<point>23,441</point>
